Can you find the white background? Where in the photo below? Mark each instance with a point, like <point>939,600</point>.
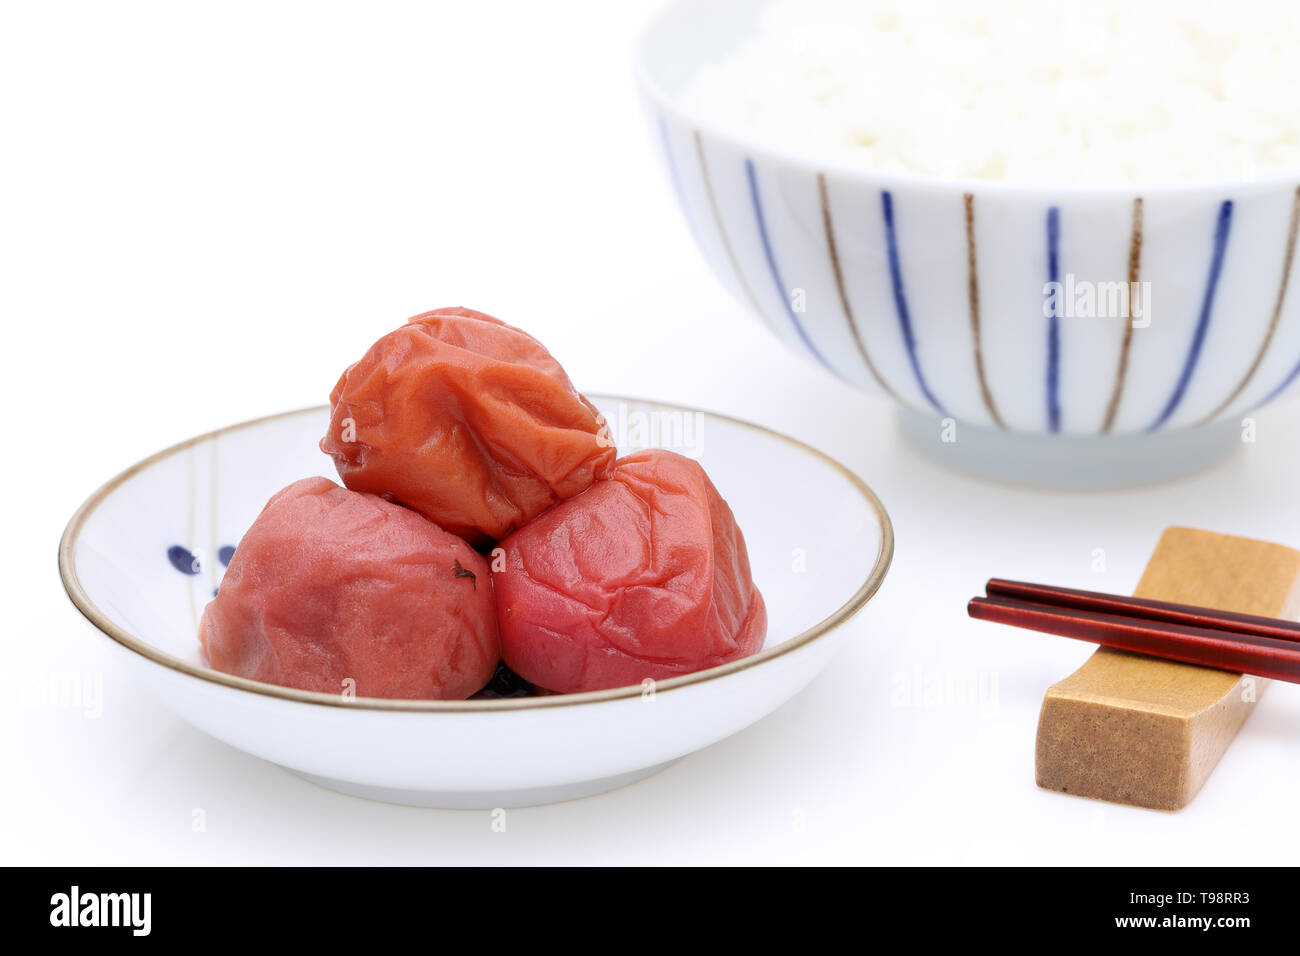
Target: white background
<point>207,211</point>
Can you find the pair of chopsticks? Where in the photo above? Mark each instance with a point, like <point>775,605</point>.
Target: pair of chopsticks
<point>1243,643</point>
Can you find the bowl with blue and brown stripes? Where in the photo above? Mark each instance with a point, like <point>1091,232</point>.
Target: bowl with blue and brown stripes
<point>1068,335</point>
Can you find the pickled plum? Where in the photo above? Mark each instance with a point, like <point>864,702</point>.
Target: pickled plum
<point>453,433</point>
<point>467,420</point>
<point>643,575</point>
<point>330,585</point>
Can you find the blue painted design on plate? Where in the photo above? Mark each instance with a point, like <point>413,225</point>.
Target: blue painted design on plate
<point>183,560</point>
<point>186,562</point>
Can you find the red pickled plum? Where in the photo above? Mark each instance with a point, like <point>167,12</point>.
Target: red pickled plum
<point>643,575</point>
<point>467,420</point>
<point>330,585</point>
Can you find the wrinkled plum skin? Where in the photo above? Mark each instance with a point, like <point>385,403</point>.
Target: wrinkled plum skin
<point>467,420</point>
<point>644,575</point>
<point>331,585</point>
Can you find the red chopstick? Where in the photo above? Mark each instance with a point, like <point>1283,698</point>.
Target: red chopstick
<point>1145,608</point>
<point>1262,656</point>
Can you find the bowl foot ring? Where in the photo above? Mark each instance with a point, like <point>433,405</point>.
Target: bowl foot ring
<point>1069,462</point>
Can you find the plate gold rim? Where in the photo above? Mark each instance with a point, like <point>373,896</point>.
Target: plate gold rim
<point>88,609</point>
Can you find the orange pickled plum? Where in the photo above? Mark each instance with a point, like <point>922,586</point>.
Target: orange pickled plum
<point>467,420</point>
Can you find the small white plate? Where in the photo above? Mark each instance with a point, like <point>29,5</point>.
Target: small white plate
<point>145,553</point>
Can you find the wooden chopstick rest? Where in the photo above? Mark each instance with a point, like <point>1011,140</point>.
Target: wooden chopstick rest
<point>1138,730</point>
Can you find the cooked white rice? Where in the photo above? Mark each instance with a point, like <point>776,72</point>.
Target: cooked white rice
<point>1087,91</point>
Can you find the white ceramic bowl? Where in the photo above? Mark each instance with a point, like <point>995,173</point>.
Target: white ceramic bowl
<point>932,291</point>
<point>145,553</point>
